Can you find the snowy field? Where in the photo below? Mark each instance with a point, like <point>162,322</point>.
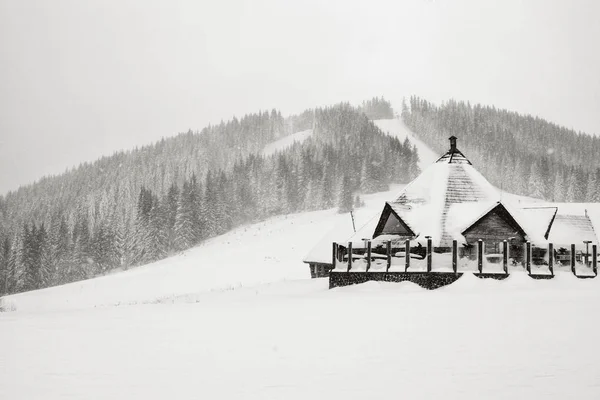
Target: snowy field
<point>519,338</point>
<point>239,318</point>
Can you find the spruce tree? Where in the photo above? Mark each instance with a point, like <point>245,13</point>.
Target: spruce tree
<point>171,215</point>
<point>571,191</point>
<point>184,226</point>
<point>346,200</point>
<point>13,278</point>
<point>5,250</point>
<point>536,187</point>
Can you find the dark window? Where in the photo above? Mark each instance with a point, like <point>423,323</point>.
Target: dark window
<point>393,226</point>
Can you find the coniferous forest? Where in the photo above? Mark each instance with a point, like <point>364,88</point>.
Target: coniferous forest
<point>521,154</point>
<point>143,205</point>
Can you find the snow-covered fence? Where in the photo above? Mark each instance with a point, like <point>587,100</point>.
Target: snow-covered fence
<point>387,256</point>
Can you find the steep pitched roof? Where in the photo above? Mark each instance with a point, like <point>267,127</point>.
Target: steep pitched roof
<point>451,195</point>
<point>425,203</point>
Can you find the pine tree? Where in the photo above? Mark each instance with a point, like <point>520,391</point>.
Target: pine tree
<point>346,203</point>
<point>13,278</point>
<point>46,263</point>
<point>157,239</point>
<point>223,207</point>
<point>327,193</point>
<point>171,215</point>
<point>5,250</point>
<point>537,187</point>
<point>571,191</point>
<point>28,258</point>
<point>559,190</point>
<point>358,202</point>
<point>211,200</point>
<point>184,225</point>
<point>592,188</point>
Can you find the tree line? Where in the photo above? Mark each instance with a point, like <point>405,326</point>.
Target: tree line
<point>164,200</point>
<point>521,154</point>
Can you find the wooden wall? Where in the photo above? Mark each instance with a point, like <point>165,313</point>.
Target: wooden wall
<point>494,228</point>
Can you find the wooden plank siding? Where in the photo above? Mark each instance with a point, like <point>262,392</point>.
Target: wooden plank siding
<point>493,228</point>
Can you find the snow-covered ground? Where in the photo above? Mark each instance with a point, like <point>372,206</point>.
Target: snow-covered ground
<point>518,338</point>
<point>237,317</point>
<point>286,142</point>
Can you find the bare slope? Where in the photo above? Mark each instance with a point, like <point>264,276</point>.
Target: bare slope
<point>286,142</point>
<point>395,127</point>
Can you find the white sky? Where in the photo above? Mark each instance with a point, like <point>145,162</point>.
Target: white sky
<point>82,79</point>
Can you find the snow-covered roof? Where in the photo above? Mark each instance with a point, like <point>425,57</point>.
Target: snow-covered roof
<point>536,221</point>
<point>573,222</point>
<point>426,202</point>
<point>572,229</point>
<point>322,251</point>
<point>461,216</point>
<point>449,196</point>
<point>364,232</point>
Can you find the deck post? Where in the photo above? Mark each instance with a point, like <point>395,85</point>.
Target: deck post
<point>334,254</point>
<point>528,256</point>
<point>349,256</point>
<point>429,243</point>
<point>389,255</point>
<point>480,255</point>
<point>587,252</point>
<point>505,256</point>
<point>551,258</point>
<point>573,259</point>
<point>455,256</point>
<point>595,259</point>
<point>406,255</point>
<point>368,255</point>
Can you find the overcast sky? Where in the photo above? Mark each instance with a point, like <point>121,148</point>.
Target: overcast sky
<point>82,79</point>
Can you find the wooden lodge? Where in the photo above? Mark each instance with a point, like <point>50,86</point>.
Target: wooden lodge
<point>451,212</point>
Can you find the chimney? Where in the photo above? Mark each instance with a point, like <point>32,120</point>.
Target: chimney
<point>452,144</point>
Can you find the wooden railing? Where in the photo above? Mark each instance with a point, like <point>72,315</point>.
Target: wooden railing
<point>349,255</point>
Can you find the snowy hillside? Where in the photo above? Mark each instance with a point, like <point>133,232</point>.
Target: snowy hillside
<point>268,251</point>
<point>286,142</point>
<point>395,127</point>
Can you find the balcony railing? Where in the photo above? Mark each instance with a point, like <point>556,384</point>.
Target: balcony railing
<point>500,258</point>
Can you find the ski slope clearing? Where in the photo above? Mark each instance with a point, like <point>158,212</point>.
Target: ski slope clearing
<point>475,339</point>
<point>395,127</point>
<point>285,142</point>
